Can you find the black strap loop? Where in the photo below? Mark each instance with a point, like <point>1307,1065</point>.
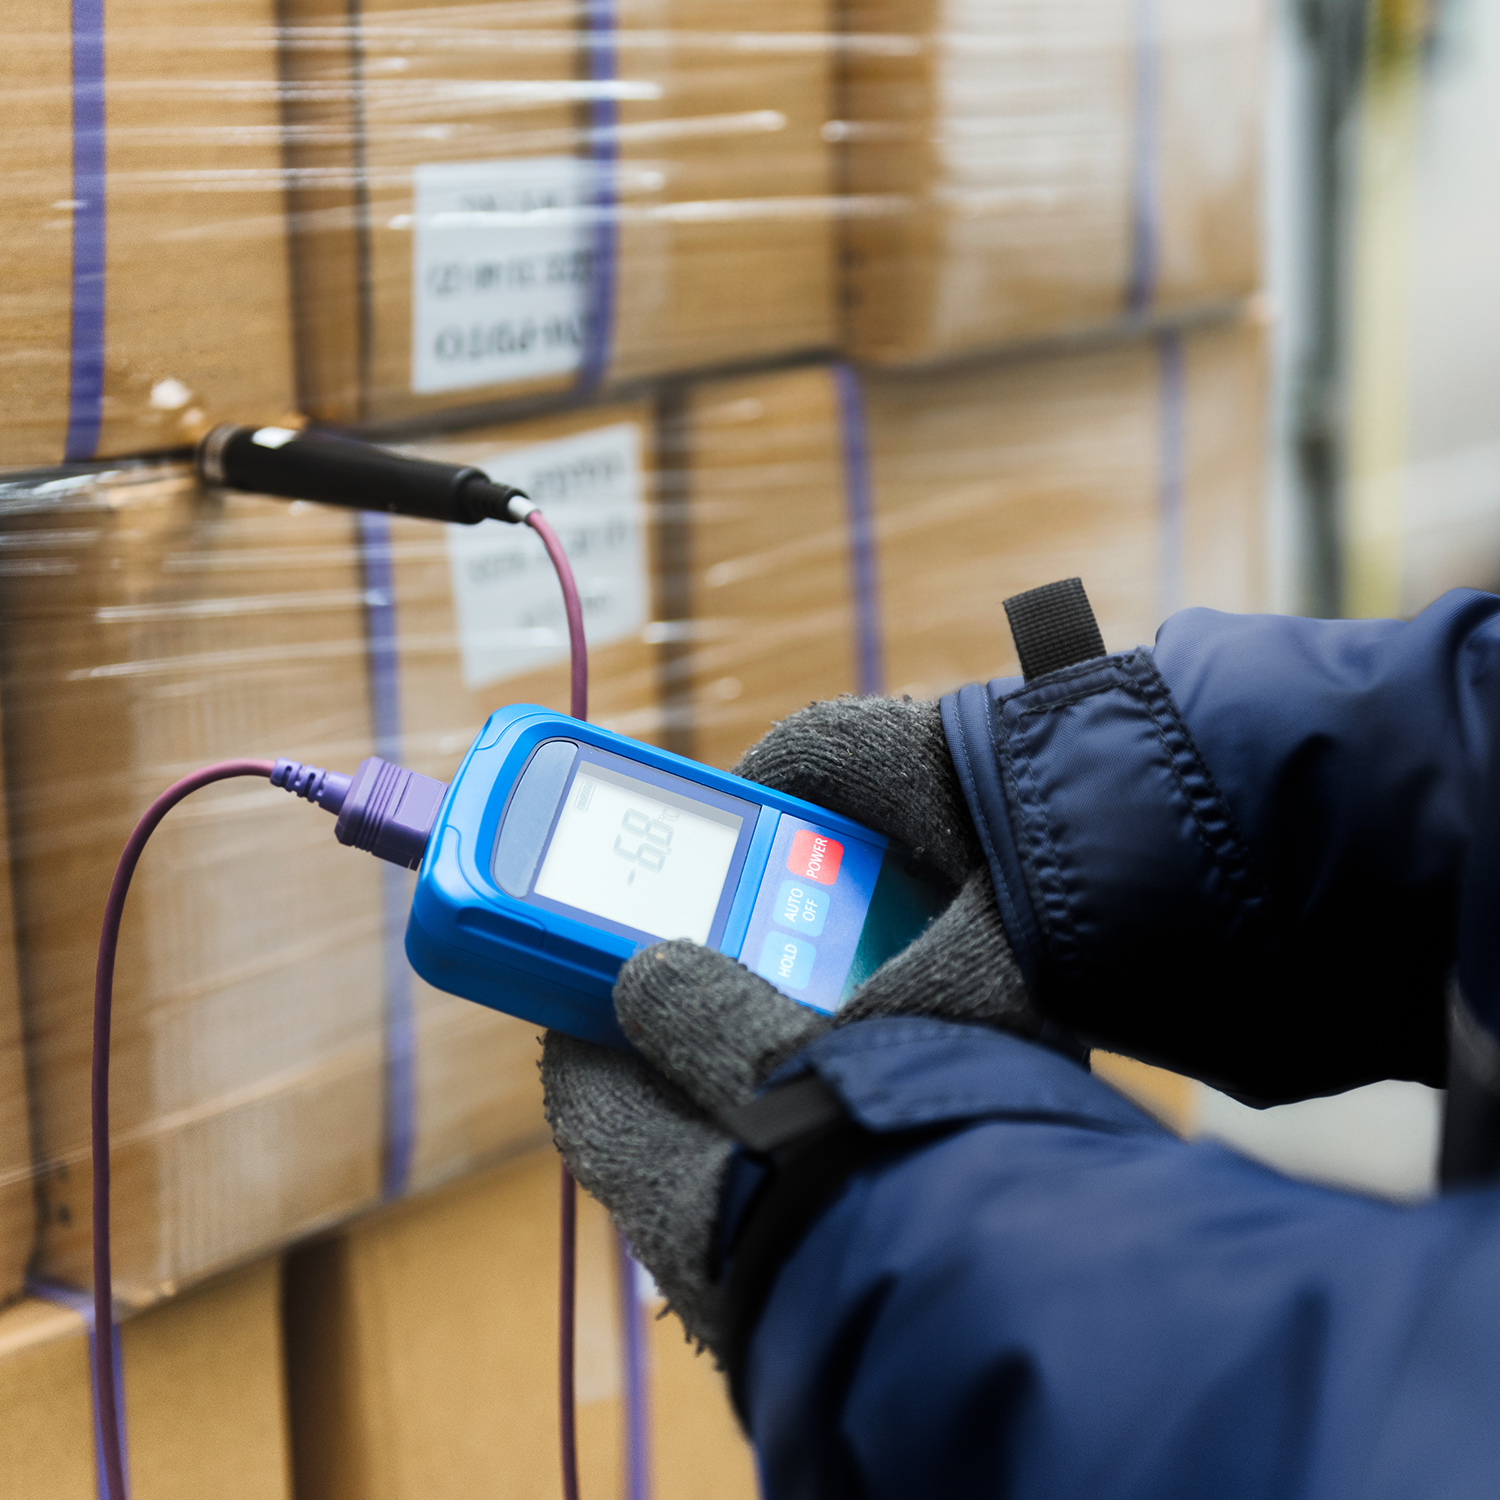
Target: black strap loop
<point>1053,627</point>
<point>1471,1112</point>
<point>787,1115</point>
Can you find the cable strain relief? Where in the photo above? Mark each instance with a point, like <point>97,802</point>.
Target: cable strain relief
<point>486,500</point>
<point>312,783</point>
<point>389,812</point>
<point>211,451</point>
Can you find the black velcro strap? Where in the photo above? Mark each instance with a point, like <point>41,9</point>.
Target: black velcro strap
<point>1471,1109</point>
<point>1053,627</point>
<point>796,1110</point>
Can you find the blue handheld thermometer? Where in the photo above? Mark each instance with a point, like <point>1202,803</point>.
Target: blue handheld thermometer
<point>561,849</point>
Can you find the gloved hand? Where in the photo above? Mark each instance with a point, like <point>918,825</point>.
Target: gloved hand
<point>643,1133</point>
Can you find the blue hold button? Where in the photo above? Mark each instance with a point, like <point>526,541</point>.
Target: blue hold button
<point>802,906</point>
<point>786,961</point>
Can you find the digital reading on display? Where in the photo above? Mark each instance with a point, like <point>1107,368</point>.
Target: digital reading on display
<point>639,854</point>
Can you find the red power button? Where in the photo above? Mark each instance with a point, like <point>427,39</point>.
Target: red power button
<point>815,856</point>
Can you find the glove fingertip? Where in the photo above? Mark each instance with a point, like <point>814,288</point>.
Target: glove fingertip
<point>707,1023</point>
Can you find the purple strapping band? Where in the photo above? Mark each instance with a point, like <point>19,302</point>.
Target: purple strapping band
<point>82,1303</point>
<point>637,1392</point>
<point>599,43</point>
<point>1173,477</point>
<point>86,330</point>
<point>1145,174</point>
<point>385,699</point>
<point>864,558</point>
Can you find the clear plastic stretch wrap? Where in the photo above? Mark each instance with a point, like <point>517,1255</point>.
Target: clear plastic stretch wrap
<point>815,327</point>
<point>17,1216</point>
<point>743,545</point>
<point>1019,168</point>
<point>367,213</point>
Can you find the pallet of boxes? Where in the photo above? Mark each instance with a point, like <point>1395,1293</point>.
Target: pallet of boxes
<point>817,330</point>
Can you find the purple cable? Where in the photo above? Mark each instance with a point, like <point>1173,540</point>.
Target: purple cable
<point>567,1400</point>
<point>578,651</point>
<point>104,987</point>
<point>567,1396</point>
<point>637,1401</point>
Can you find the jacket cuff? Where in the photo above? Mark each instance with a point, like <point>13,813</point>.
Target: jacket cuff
<point>1120,872</point>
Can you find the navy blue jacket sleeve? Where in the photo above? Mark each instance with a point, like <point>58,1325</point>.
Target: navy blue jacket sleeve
<point>1060,1299</point>
<point>1242,853</point>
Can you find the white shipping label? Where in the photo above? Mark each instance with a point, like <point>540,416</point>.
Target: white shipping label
<point>505,595</point>
<point>502,255</point>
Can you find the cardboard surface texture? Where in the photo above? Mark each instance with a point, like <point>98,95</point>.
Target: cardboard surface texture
<point>656,174</point>
<point>143,249</point>
<point>205,1402</point>
<point>17,1195</point>
<point>422,1351</point>
<point>762,572</point>
<point>1136,467</point>
<point>1020,171</point>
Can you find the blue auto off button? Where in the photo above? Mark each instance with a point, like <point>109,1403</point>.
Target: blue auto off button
<point>786,961</point>
<point>802,907</point>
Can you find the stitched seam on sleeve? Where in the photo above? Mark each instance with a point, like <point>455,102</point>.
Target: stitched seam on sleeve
<point>1050,894</point>
<point>1135,675</point>
<point>1052,897</point>
<point>1213,818</point>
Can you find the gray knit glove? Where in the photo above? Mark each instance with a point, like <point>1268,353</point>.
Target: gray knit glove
<point>642,1133</point>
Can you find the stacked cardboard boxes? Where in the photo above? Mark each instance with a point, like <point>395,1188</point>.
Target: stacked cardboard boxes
<point>420,1346</point>
<point>431,210</point>
<point>1019,170</point>
<point>494,201</point>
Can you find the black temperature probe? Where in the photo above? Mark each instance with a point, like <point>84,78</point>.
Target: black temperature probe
<point>344,471</point>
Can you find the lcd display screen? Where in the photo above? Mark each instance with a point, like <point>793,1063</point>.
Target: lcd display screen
<point>639,854</point>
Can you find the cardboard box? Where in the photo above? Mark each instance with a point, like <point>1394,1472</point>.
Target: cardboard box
<point>764,582</point>
<point>469,604</point>
<point>148,630</point>
<point>478,220</point>
<point>17,1195</point>
<point>1019,171</point>
<point>422,1357</point>
<point>143,249</point>
<point>205,1400</point>
<point>1137,467</point>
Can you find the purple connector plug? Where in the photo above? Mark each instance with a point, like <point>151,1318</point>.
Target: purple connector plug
<point>382,808</point>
